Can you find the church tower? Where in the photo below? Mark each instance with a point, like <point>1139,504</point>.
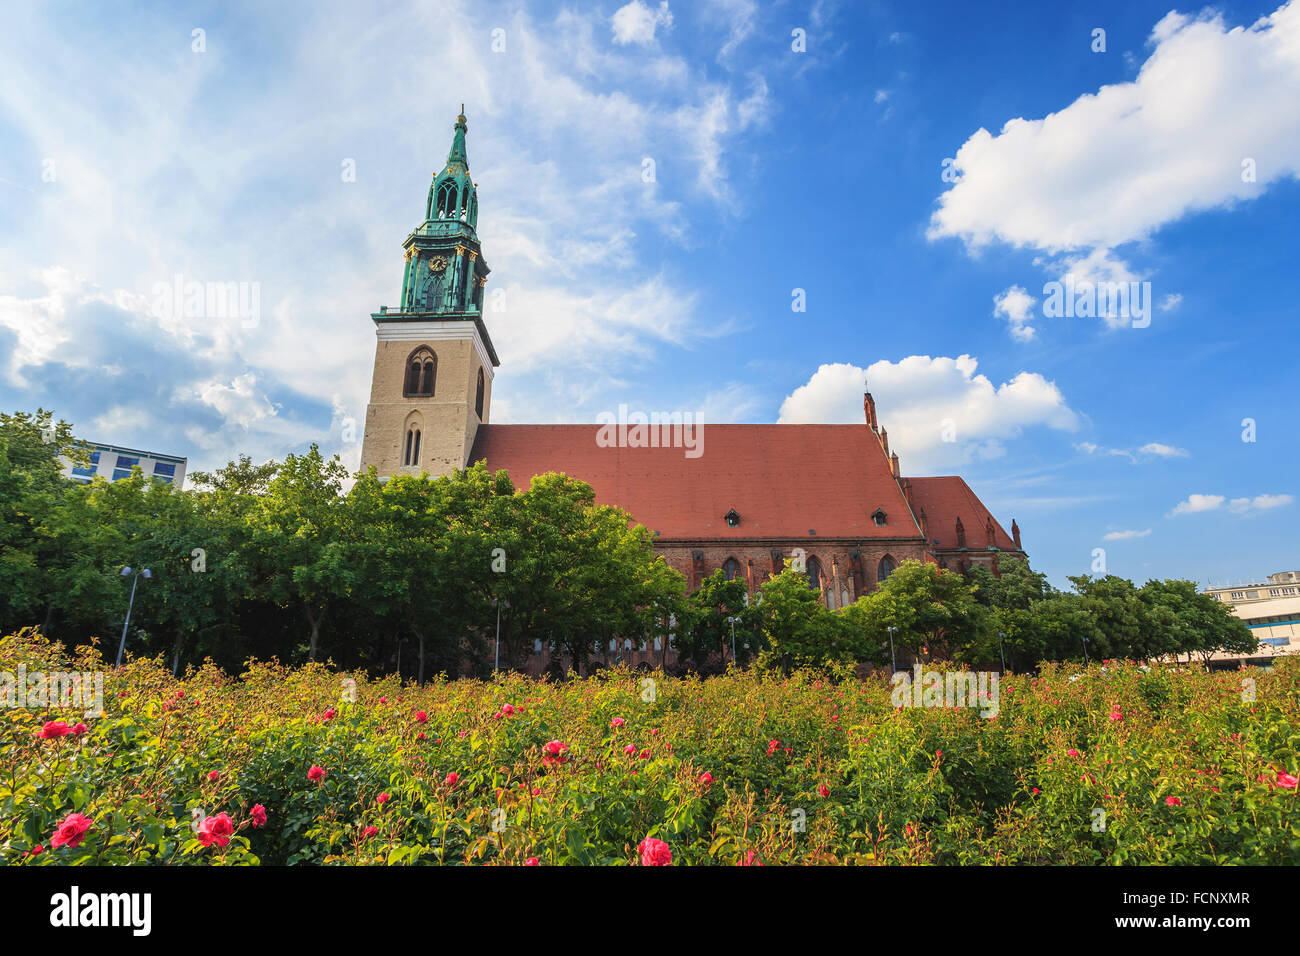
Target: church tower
<point>434,362</point>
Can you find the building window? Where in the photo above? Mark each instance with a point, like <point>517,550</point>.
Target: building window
<point>879,518</point>
<point>731,568</point>
<point>421,373</point>
<point>478,396</point>
<point>447,200</point>
<point>732,518</point>
<point>814,574</point>
<point>164,472</point>
<point>90,469</point>
<point>885,569</point>
<point>124,466</point>
<point>412,454</point>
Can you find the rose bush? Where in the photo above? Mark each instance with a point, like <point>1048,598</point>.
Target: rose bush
<point>312,766</point>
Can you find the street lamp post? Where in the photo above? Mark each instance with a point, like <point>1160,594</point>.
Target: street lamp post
<point>135,579</point>
<point>496,662</point>
<point>1085,651</point>
<point>893,663</point>
<point>1001,653</point>
<point>732,622</point>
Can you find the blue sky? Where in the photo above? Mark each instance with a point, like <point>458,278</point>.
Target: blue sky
<point>133,150</point>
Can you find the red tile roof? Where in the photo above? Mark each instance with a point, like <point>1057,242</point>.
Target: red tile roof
<point>945,500</point>
<point>782,479</point>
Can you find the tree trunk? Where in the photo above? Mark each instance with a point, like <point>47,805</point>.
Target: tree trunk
<point>176,653</point>
<point>314,641</point>
<point>419,674</point>
<point>49,619</point>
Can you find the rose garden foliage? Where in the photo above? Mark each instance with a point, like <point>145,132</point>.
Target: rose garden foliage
<point>1111,763</point>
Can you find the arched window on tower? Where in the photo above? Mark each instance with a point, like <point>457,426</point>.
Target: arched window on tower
<point>421,373</point>
<point>447,200</point>
<point>885,569</point>
<point>478,396</point>
<point>731,569</point>
<point>412,454</point>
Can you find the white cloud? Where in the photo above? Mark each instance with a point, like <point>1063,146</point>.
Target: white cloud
<point>881,96</point>
<point>1125,535</point>
<point>1195,503</point>
<point>239,403</point>
<point>921,399</point>
<point>1170,302</point>
<point>636,23</point>
<point>1163,451</point>
<point>1258,503</point>
<point>1144,454</point>
<point>1017,305</point>
<point>1241,506</point>
<point>1115,166</point>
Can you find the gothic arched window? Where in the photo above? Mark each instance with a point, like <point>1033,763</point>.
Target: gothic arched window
<point>814,574</point>
<point>885,569</point>
<point>478,396</point>
<point>421,373</point>
<point>731,568</point>
<point>412,454</point>
<point>447,200</point>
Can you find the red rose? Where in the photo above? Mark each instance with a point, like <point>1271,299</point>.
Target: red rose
<point>53,730</point>
<point>655,852</point>
<point>532,861</point>
<point>384,798</point>
<point>421,716</point>
<point>316,773</point>
<point>370,831</point>
<point>258,813</point>
<point>216,830</point>
<point>71,831</point>
<point>451,779</point>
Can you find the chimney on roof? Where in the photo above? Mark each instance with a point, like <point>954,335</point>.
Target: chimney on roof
<point>961,534</point>
<point>1015,533</point>
<point>884,440</point>
<point>988,531</point>
<point>893,465</point>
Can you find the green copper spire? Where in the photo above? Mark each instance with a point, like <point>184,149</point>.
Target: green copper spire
<point>445,273</point>
<point>457,155</point>
<point>452,194</point>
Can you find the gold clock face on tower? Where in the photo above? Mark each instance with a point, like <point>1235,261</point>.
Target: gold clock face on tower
<point>437,264</point>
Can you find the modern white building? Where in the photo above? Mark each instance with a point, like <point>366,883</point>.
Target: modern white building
<point>1271,610</point>
<point>115,463</point>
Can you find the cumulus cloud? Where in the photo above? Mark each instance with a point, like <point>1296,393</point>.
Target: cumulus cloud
<point>1125,535</point>
<point>1018,306</point>
<point>1115,166</point>
<point>1197,503</point>
<point>939,411</point>
<point>636,23</point>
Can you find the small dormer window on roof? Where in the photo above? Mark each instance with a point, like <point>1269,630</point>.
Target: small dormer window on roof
<point>732,518</point>
<point>880,518</point>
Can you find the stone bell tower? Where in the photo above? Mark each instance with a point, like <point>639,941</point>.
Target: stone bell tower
<point>434,362</point>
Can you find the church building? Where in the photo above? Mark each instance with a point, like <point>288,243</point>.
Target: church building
<point>757,495</point>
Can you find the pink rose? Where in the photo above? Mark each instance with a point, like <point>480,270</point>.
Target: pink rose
<point>216,830</point>
<point>71,831</point>
<point>706,778</point>
<point>258,813</point>
<point>451,779</point>
<point>532,861</point>
<point>655,852</point>
<point>384,798</point>
<point>421,716</point>
<point>616,723</point>
<point>53,730</point>
<point>1173,801</point>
